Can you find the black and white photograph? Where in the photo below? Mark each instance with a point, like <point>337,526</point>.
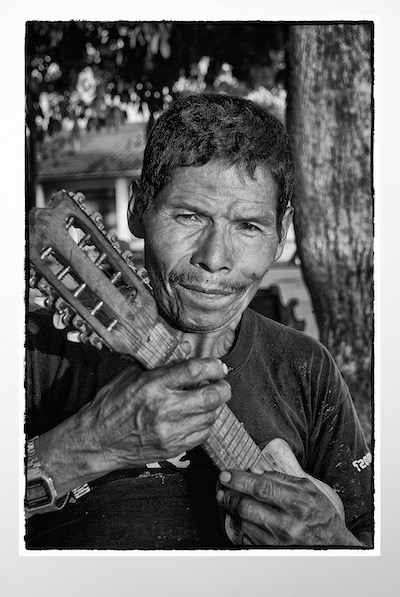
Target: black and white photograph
<point>175,398</point>
<point>200,371</point>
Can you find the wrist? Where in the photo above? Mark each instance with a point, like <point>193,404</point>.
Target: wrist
<point>40,492</point>
<point>69,454</point>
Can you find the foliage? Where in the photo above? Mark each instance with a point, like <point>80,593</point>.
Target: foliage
<point>87,74</point>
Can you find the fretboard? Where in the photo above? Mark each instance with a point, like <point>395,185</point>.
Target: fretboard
<point>229,445</point>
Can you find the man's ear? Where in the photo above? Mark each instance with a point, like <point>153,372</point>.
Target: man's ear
<point>135,209</point>
<point>286,221</point>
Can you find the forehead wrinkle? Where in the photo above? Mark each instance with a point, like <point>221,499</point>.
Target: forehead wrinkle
<point>198,188</point>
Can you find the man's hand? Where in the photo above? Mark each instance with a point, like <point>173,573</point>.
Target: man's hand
<point>135,420</point>
<point>160,414</point>
<point>274,509</point>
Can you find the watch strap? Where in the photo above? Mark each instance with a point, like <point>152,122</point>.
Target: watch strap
<point>36,473</point>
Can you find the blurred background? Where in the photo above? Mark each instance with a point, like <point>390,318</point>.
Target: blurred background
<point>94,89</point>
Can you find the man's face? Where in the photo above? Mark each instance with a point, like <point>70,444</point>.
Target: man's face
<point>210,237</point>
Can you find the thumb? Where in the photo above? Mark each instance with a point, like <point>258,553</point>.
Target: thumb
<point>192,372</point>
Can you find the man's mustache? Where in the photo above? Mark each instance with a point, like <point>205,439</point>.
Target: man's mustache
<point>210,283</point>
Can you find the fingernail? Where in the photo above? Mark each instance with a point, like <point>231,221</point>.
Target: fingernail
<point>220,495</point>
<point>225,477</point>
<point>224,367</point>
<point>186,347</point>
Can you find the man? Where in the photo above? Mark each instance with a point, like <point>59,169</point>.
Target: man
<point>213,209</point>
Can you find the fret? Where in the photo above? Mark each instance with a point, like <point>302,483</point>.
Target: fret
<point>254,456</point>
<point>227,426</point>
<point>248,450</point>
<point>229,444</point>
<point>242,457</point>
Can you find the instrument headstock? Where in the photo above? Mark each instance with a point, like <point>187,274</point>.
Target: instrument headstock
<point>82,273</point>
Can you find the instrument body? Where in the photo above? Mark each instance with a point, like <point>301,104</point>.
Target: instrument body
<point>99,291</point>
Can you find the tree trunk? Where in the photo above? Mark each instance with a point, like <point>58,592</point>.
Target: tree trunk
<point>329,121</point>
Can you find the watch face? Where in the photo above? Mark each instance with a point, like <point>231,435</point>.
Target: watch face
<point>37,494</point>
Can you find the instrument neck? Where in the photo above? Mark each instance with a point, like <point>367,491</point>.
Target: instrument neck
<point>229,445</point>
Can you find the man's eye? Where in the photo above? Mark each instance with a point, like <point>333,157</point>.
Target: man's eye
<point>249,228</point>
<point>188,218</point>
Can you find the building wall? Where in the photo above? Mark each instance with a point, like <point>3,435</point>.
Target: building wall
<point>109,196</point>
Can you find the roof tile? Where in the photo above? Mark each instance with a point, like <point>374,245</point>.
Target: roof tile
<point>104,153</point>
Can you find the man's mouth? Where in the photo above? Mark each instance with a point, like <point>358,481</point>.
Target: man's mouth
<point>205,290</point>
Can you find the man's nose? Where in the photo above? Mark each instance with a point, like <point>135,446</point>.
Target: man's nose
<point>214,250</point>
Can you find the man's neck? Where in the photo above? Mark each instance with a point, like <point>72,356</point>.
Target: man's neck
<point>211,344</point>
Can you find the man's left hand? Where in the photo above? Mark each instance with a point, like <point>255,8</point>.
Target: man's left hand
<point>275,509</point>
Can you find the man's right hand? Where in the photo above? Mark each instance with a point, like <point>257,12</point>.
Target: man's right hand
<point>135,420</point>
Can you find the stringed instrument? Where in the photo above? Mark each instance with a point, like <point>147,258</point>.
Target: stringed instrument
<point>82,273</point>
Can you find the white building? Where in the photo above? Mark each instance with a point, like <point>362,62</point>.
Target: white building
<point>101,165</point>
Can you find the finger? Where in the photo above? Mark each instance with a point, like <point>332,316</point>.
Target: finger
<point>191,373</point>
<point>261,523</point>
<point>245,507</point>
<point>246,541</point>
<point>276,489</point>
<point>204,399</point>
<point>196,423</point>
<point>196,439</point>
<point>255,535</point>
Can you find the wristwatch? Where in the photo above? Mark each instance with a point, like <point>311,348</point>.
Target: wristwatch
<point>40,495</point>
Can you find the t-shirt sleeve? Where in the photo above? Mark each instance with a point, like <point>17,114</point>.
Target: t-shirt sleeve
<point>62,376</point>
<point>338,453</point>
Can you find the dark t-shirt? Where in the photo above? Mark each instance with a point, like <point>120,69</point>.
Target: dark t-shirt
<point>284,384</point>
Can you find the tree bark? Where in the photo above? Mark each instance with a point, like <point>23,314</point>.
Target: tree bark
<point>329,121</point>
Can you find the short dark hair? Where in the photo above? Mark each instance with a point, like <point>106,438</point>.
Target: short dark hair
<point>210,126</point>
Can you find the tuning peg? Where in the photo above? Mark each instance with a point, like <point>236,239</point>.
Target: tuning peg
<point>63,318</point>
<point>112,237</point>
<point>112,325</point>
<point>85,240</point>
<point>98,220</point>
<point>77,336</point>
<point>144,275</point>
<point>84,337</point>
<point>96,341</point>
<point>79,198</point>
<point>61,305</point>
<point>44,286</point>
<point>46,252</point>
<point>96,308</point>
<point>128,256</point>
<point>69,222</point>
<point>41,301</point>
<point>67,316</point>
<point>74,336</point>
<point>115,277</point>
<point>78,323</point>
<point>58,322</point>
<point>33,278</point>
<point>114,241</point>
<point>100,259</point>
